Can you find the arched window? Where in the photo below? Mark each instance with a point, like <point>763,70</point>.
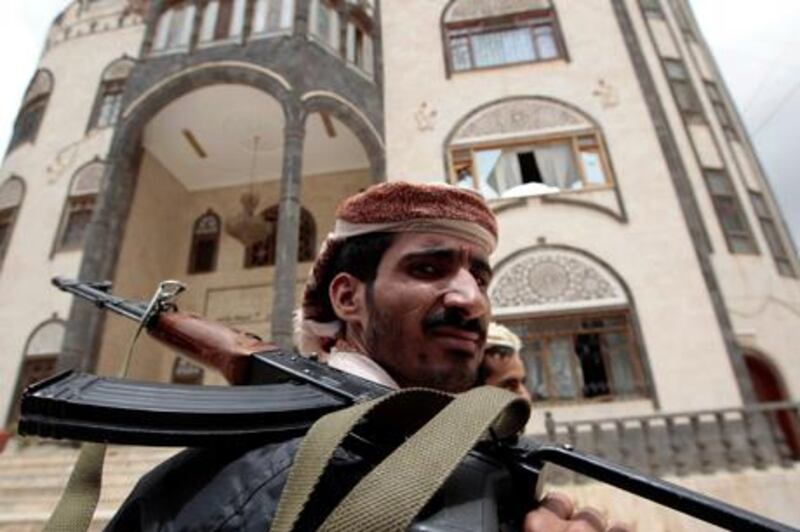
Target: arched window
<point>502,32</point>
<point>11,194</point>
<point>79,206</point>
<point>205,243</point>
<point>33,108</point>
<point>527,146</point>
<point>39,359</point>
<point>108,103</point>
<point>576,324</point>
<point>324,23</point>
<point>263,253</point>
<point>174,29</point>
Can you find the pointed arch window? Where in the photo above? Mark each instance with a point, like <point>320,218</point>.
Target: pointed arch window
<point>33,108</point>
<point>39,359</point>
<point>263,253</point>
<point>11,194</point>
<point>484,35</point>
<point>528,146</point>
<point>205,243</point>
<point>108,104</point>
<point>79,206</point>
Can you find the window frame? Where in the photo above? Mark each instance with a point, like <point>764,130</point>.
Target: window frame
<point>11,215</point>
<point>766,218</point>
<point>530,19</point>
<point>692,116</point>
<point>572,138</point>
<point>733,196</point>
<point>73,205</point>
<point>641,386</point>
<point>198,237</point>
<point>270,214</point>
<point>724,116</point>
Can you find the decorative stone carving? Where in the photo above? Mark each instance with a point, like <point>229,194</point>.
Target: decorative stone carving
<point>478,9</point>
<point>606,93</point>
<point>88,179</point>
<point>521,116</point>
<point>551,278</point>
<point>425,117</point>
<point>47,339</point>
<point>11,193</point>
<point>119,69</point>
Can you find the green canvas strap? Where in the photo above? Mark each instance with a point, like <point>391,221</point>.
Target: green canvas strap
<point>328,432</point>
<point>390,496</point>
<point>78,501</point>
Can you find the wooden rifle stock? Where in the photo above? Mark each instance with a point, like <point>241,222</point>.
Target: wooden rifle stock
<point>210,344</point>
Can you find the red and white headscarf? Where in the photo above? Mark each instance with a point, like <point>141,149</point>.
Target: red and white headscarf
<point>393,207</point>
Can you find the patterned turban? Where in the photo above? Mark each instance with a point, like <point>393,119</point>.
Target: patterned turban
<point>387,208</point>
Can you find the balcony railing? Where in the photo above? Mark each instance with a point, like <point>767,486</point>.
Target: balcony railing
<point>683,443</point>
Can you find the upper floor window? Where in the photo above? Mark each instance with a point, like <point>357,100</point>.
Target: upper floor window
<point>272,15</point>
<point>682,18</point>
<point>33,108</point>
<point>174,29</point>
<point>359,46</point>
<point>11,195</point>
<point>108,105</point>
<point>729,211</point>
<point>205,243</point>
<point>771,234</point>
<point>499,34</point>
<point>325,23</point>
<point>222,20</point>
<point>683,90</point>
<point>721,110</point>
<point>526,147</point>
<point>263,253</point>
<point>79,206</point>
<point>652,8</point>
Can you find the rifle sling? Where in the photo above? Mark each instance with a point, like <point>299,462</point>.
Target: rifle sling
<point>390,496</point>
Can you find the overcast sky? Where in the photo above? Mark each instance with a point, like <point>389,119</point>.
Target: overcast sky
<point>756,44</point>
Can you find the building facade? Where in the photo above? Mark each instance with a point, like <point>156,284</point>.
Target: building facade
<point>642,256</point>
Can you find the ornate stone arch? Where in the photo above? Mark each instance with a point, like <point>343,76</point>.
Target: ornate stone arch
<point>522,132</point>
<point>460,10</point>
<point>562,292</point>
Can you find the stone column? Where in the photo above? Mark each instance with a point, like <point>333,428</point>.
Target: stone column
<point>100,253</point>
<point>285,279</point>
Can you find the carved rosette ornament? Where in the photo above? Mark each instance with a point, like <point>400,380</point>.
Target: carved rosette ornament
<point>554,277</point>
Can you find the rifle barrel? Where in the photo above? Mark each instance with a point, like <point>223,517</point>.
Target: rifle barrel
<point>97,293</point>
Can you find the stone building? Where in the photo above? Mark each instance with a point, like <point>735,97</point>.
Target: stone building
<point>642,255</point>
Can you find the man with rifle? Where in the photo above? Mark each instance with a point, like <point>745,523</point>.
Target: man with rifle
<point>398,295</point>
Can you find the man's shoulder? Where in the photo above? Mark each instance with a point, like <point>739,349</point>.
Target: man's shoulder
<point>205,489</point>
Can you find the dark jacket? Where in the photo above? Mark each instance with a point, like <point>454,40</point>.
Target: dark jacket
<point>233,489</point>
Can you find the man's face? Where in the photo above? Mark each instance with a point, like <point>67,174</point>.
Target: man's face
<point>506,372</point>
<point>427,311</point>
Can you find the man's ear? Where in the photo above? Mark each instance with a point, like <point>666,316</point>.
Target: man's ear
<point>347,295</point>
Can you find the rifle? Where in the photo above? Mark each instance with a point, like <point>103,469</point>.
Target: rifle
<point>285,394</point>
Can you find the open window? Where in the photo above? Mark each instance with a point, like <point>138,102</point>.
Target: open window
<point>482,35</point>
<point>576,323</point>
<point>79,206</point>
<point>12,192</point>
<point>34,105</point>
<point>527,147</point>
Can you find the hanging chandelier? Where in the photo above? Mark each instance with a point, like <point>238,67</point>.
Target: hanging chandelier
<point>247,226</point>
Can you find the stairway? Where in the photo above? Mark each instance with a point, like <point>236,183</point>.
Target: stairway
<point>32,478</point>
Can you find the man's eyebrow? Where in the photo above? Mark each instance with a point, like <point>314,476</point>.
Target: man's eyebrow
<point>432,253</point>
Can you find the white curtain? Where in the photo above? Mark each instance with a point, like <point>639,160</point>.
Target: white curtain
<point>501,47</point>
<point>556,166</point>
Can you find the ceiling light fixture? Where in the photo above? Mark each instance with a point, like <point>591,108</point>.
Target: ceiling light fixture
<point>248,227</point>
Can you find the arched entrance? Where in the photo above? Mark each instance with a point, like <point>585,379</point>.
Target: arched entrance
<point>768,387</point>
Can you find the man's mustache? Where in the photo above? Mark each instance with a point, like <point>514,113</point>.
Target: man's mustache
<point>454,318</point>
